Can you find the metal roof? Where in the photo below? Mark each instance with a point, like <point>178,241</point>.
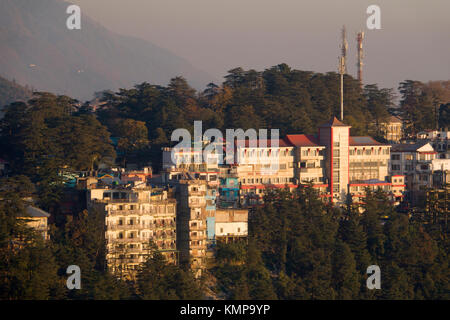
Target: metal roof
<point>363,141</point>
<point>37,213</point>
<point>302,140</point>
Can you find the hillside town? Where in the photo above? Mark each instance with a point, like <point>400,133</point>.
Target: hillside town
<point>186,209</point>
<point>203,151</point>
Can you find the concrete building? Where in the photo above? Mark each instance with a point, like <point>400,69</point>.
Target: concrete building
<point>231,225</point>
<point>260,164</point>
<point>392,129</point>
<point>228,192</point>
<point>37,219</point>
<point>414,161</point>
<point>439,140</point>
<point>333,162</point>
<point>191,224</point>
<point>135,217</point>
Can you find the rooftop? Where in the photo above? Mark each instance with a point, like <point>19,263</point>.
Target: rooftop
<point>302,140</point>
<point>334,123</point>
<point>282,143</point>
<point>37,213</point>
<point>408,147</point>
<point>363,141</point>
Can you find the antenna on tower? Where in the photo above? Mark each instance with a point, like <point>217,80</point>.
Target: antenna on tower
<point>344,46</point>
<point>343,66</point>
<point>341,72</point>
<point>359,39</point>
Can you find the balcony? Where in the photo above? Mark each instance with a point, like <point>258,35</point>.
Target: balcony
<point>118,227</point>
<point>197,237</point>
<point>197,193</point>
<point>126,240</point>
<point>197,228</point>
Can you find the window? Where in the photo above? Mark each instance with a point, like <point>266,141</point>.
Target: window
<point>395,157</point>
<point>395,167</point>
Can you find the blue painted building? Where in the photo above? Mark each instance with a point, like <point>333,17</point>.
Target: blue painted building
<point>229,192</point>
<point>211,196</point>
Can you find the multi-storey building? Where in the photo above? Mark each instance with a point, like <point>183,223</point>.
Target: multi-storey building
<point>260,164</point>
<point>333,162</point>
<point>440,141</point>
<point>414,161</point>
<point>190,159</point>
<point>135,217</point>
<point>228,192</point>
<point>191,224</point>
<point>392,129</point>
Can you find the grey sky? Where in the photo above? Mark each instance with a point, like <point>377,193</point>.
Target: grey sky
<point>219,35</point>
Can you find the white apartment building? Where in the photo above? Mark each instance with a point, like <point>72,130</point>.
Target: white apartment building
<point>415,162</point>
<point>439,140</point>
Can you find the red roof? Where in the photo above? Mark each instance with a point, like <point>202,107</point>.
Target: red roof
<point>302,140</point>
<point>363,141</point>
<point>282,143</point>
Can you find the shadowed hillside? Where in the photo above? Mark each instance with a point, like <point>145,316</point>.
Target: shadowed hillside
<point>37,49</point>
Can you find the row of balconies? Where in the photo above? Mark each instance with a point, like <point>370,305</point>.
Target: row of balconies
<point>138,226</point>
<point>139,212</point>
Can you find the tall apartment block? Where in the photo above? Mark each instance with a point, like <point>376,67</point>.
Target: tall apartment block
<point>135,217</point>
<point>191,224</point>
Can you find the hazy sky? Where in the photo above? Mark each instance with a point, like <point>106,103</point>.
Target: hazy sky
<point>414,42</point>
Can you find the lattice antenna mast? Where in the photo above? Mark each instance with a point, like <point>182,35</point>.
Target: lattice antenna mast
<point>341,72</point>
<point>344,46</point>
<point>359,39</point>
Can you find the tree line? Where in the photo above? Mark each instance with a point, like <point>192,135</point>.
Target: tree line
<point>301,248</point>
<point>298,248</point>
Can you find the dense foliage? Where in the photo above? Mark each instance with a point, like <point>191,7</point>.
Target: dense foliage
<point>33,269</point>
<point>299,248</point>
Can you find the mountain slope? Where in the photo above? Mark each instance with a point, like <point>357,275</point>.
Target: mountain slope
<point>36,48</point>
<point>11,92</point>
